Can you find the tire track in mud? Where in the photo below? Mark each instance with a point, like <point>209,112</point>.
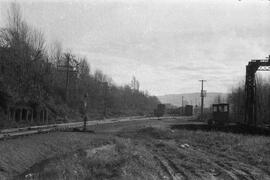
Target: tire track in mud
<point>248,173</point>
<point>196,161</point>
<point>176,171</point>
<point>164,168</point>
<point>233,170</point>
<point>242,171</point>
<point>226,170</point>
<point>173,172</point>
<point>182,162</point>
<point>238,168</point>
<point>213,169</point>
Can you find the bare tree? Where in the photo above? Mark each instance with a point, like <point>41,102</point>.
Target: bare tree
<point>26,47</point>
<point>135,85</point>
<point>100,76</point>
<point>31,73</point>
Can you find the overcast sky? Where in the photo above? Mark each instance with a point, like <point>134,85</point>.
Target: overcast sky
<point>167,45</point>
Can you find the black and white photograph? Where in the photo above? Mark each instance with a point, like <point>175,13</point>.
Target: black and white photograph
<point>134,89</point>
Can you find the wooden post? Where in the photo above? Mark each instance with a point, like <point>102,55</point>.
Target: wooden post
<point>47,116</point>
<point>27,118</point>
<point>38,115</point>
<point>14,114</point>
<point>32,115</point>
<point>43,120</point>
<point>8,113</point>
<point>20,115</point>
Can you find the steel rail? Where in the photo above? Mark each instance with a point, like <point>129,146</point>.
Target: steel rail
<point>16,132</point>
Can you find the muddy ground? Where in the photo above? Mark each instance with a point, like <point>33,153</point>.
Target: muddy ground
<point>166,149</point>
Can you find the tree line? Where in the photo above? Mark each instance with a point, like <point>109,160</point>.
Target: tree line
<point>237,101</point>
<point>33,74</point>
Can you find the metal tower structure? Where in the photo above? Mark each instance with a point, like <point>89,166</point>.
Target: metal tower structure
<point>250,88</point>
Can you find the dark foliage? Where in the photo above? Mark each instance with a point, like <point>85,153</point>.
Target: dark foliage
<point>237,101</point>
<point>60,80</point>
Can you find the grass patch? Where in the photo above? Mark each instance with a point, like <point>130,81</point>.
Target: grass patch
<point>121,159</point>
<point>136,152</point>
<point>17,155</point>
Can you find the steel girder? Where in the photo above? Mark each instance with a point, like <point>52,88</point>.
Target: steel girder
<point>250,89</point>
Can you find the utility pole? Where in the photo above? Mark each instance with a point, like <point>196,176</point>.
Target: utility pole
<point>105,94</point>
<point>85,110</point>
<point>182,105</point>
<point>71,66</point>
<point>202,99</point>
<point>67,76</point>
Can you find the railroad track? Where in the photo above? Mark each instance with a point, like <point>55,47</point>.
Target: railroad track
<point>16,132</point>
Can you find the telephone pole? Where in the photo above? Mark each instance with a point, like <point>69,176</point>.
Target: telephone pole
<point>85,111</point>
<point>105,87</point>
<point>67,76</point>
<point>71,66</point>
<point>182,105</point>
<point>202,98</point>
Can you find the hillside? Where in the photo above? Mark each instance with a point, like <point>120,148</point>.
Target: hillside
<point>39,85</point>
<point>192,98</point>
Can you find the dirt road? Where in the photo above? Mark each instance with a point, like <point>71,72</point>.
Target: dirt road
<point>156,150</point>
